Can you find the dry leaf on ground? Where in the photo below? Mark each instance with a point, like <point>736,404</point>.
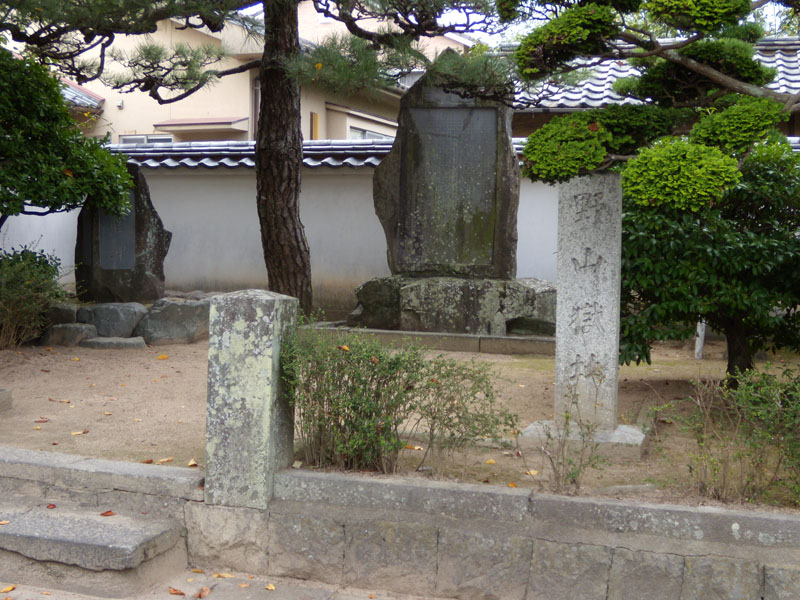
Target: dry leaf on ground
<point>203,592</point>
<point>108,513</point>
<point>175,592</point>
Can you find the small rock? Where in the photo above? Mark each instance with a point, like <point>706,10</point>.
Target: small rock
<point>113,343</point>
<point>68,334</point>
<point>172,321</point>
<point>61,313</point>
<point>113,319</point>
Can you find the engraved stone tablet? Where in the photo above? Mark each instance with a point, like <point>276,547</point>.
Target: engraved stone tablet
<point>117,241</point>
<point>587,305</point>
<point>447,211</point>
<point>448,191</point>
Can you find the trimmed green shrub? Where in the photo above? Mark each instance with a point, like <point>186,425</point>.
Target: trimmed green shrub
<point>357,404</point>
<point>28,284</point>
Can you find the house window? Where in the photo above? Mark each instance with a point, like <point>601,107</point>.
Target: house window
<point>145,139</point>
<point>356,133</point>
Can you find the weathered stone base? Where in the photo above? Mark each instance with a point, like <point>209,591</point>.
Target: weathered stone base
<point>626,442</point>
<point>455,305</point>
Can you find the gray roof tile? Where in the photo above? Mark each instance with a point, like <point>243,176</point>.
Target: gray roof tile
<point>595,91</point>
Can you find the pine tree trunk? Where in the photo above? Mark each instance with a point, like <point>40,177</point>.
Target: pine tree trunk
<point>279,156</point>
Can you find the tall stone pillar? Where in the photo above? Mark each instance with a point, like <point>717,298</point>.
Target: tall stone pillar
<point>249,424</point>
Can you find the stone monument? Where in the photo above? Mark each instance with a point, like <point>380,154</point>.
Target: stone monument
<point>446,196</point>
<point>121,259</point>
<point>587,312</point>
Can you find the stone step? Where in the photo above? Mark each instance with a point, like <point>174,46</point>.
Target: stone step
<point>74,548</point>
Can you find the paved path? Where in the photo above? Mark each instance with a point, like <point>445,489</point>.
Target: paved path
<point>224,586</point>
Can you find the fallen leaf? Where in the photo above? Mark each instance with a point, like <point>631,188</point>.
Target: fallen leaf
<point>371,596</point>
<point>51,506</point>
<point>42,420</point>
<point>189,579</point>
<point>512,485</point>
<point>532,472</point>
<point>198,571</point>
<point>76,359</point>
<point>108,513</point>
<point>80,432</point>
<point>147,461</point>
<point>297,464</point>
<point>45,370</point>
<point>162,357</point>
<point>192,463</point>
<point>174,592</point>
<point>343,348</point>
<point>54,444</point>
<point>137,420</point>
<point>122,384</point>
<point>223,575</point>
<point>161,461</point>
<point>9,588</point>
<point>155,380</point>
<point>64,401</point>
<point>51,399</point>
<point>4,522</point>
<point>251,576</point>
<point>491,461</point>
<point>36,427</point>
<point>49,349</point>
<point>244,585</point>
<point>45,593</point>
<point>269,587</point>
<point>520,385</point>
<point>203,592</point>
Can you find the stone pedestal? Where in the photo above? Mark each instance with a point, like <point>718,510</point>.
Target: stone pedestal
<point>455,305</point>
<point>249,424</point>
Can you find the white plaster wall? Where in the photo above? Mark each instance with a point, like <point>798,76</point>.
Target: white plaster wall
<point>537,226</point>
<point>216,242</point>
<point>54,234</point>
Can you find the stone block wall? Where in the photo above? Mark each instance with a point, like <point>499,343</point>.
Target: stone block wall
<point>445,540</point>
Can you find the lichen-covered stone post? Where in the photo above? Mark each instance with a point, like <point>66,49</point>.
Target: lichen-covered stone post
<point>587,305</point>
<point>249,424</point>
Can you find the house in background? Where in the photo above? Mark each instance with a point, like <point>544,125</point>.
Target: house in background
<point>227,110</point>
<point>596,91</point>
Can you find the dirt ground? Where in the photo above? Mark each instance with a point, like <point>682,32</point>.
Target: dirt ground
<point>149,405</point>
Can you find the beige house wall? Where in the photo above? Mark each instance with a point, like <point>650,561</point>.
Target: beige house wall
<point>232,98</point>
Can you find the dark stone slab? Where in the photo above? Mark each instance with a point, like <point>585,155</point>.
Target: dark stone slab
<point>447,193</point>
<point>122,259</point>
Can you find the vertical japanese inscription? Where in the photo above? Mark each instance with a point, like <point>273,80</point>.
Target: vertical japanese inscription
<point>587,319</point>
<point>117,241</point>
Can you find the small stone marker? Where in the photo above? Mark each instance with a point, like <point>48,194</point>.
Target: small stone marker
<point>587,305</point>
<point>249,424</point>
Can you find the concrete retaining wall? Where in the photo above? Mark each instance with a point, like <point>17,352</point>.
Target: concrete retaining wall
<point>441,539</point>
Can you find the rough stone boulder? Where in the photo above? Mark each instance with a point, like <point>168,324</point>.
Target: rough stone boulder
<point>113,319</point>
<point>121,259</point>
<point>61,312</point>
<point>68,334</point>
<point>175,321</point>
<point>455,305</point>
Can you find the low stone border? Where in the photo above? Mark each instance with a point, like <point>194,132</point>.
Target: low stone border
<point>453,342</point>
<point>444,539</point>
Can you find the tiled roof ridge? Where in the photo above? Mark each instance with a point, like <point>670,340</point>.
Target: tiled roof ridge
<point>238,154</point>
